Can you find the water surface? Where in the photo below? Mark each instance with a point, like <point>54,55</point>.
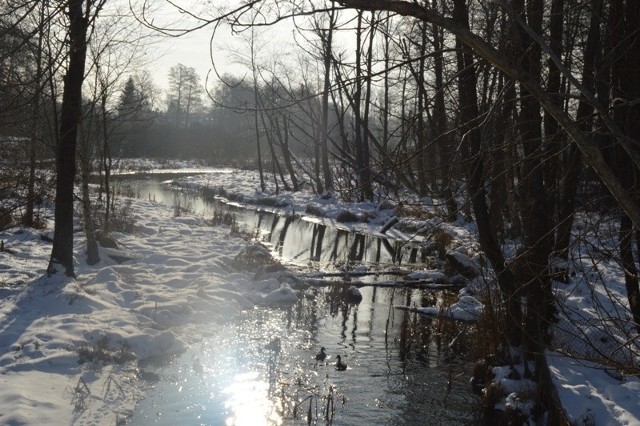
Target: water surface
<point>402,368</point>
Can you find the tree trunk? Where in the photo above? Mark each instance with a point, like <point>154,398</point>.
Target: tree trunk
<point>467,93</point>
<point>386,163</point>
<point>283,137</point>
<point>93,256</point>
<point>440,121</point>
<point>324,141</point>
<point>35,124</point>
<point>500,168</point>
<point>573,164</point>
<point>367,189</point>
<point>554,137</point>
<point>254,72</point>
<point>277,170</point>
<point>626,92</point>
<point>630,269</point>
<point>71,114</point>
<point>423,155</point>
<point>107,163</point>
<point>533,274</point>
<point>357,100</point>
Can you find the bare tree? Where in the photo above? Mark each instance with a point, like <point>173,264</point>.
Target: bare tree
<point>326,36</point>
<point>35,119</point>
<point>81,16</point>
<point>185,94</point>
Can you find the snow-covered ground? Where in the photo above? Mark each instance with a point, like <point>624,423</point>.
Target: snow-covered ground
<point>181,275</point>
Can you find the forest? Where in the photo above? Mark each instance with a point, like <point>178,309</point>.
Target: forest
<point>521,116</point>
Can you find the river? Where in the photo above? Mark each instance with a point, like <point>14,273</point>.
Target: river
<point>261,369</point>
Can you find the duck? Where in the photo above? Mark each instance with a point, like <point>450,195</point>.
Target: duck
<point>340,366</point>
<point>320,356</point>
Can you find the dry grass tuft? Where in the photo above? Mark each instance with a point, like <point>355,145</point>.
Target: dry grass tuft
<point>101,352</point>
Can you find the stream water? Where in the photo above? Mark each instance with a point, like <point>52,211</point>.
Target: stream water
<point>298,239</point>
<point>261,369</point>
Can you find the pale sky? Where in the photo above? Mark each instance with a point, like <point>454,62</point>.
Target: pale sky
<point>275,44</point>
<point>193,50</point>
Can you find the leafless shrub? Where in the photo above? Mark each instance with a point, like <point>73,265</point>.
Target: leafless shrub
<point>415,211</point>
<point>6,218</point>
<point>122,219</point>
<point>492,394</point>
<point>490,327</point>
<point>255,257</point>
<point>178,209</point>
<point>221,218</point>
<point>314,210</point>
<point>605,334</point>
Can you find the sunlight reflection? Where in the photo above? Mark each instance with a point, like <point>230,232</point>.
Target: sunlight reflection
<point>248,402</point>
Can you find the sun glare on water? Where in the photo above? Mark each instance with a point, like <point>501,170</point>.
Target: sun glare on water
<point>248,402</point>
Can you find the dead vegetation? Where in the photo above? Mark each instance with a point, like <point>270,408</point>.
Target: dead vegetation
<point>102,352</point>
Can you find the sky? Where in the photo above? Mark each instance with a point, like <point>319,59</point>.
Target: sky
<point>194,49</point>
<point>275,43</point>
<point>191,50</point>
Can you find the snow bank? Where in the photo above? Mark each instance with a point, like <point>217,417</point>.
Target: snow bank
<point>467,308</point>
<point>592,395</point>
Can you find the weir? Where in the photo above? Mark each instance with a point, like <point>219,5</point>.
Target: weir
<point>296,238</point>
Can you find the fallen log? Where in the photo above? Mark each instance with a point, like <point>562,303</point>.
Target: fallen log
<point>418,284</point>
<point>314,275</point>
<point>440,315</point>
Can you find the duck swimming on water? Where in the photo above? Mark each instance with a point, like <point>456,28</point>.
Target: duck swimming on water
<point>320,356</point>
<point>340,366</point>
